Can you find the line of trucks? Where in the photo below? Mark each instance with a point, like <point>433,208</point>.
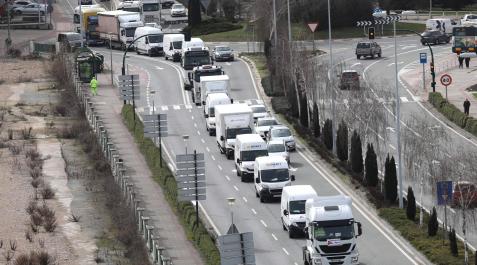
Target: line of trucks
<point>242,134</point>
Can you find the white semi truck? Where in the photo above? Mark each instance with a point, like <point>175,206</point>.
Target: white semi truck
<point>231,120</point>
<point>119,26</point>
<point>330,231</point>
<point>247,148</point>
<point>209,85</point>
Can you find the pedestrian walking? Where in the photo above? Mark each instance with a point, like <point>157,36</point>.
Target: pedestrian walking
<point>461,62</point>
<point>467,62</point>
<point>466,106</point>
<point>94,86</point>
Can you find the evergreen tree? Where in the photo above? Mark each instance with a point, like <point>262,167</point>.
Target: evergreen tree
<point>432,225</point>
<point>411,204</point>
<point>327,134</point>
<point>316,121</point>
<point>475,257</point>
<point>371,167</point>
<point>194,16</point>
<point>453,243</point>
<point>303,110</point>
<point>342,141</point>
<point>212,8</point>
<point>390,180</point>
<point>356,153</point>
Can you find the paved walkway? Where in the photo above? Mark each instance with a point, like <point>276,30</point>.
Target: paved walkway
<point>166,223</point>
<point>457,92</point>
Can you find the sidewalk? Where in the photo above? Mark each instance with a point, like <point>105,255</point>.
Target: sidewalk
<point>172,236</point>
<point>457,92</point>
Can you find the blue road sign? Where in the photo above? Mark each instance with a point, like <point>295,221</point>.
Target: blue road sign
<point>444,192</point>
<point>423,57</point>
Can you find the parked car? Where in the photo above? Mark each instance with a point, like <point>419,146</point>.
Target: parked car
<point>464,194</point>
<point>18,4</point>
<point>368,48</point>
<point>281,132</point>
<point>434,37</point>
<point>349,79</point>
<point>278,148</point>
<point>69,41</point>
<point>30,9</point>
<point>223,53</point>
<point>178,10</point>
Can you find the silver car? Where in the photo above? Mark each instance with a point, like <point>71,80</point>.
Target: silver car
<point>278,148</point>
<point>178,10</point>
<point>30,9</point>
<point>281,132</point>
<point>223,53</point>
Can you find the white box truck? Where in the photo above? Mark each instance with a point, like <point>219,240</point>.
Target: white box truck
<point>193,77</point>
<point>271,175</point>
<point>292,208</point>
<point>173,46</point>
<point>152,44</point>
<point>247,148</point>
<point>231,120</point>
<point>118,25</point>
<point>211,101</point>
<point>330,231</point>
<point>209,85</point>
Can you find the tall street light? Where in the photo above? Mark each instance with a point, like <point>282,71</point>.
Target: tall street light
<point>81,23</point>
<point>333,123</point>
<point>275,23</point>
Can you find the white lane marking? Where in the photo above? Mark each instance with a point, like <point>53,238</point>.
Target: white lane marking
<point>164,108</point>
<point>228,64</point>
<point>192,117</point>
<point>213,157</point>
<point>220,168</point>
<point>286,252</point>
<point>207,148</point>
<point>292,169</point>
<point>263,223</point>
<point>195,125</point>
<point>181,74</point>
<point>404,99</point>
<point>188,107</point>
<point>408,47</point>
<point>244,199</point>
<point>355,65</point>
<point>251,75</point>
<point>176,107</point>
<point>159,68</point>
<point>202,140</point>
<point>234,170</point>
<point>235,187</point>
<point>198,132</point>
<point>274,237</point>
<point>390,128</point>
<point>253,211</point>
<point>392,146</point>
<point>227,177</point>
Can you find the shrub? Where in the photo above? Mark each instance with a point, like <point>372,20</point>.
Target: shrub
<point>316,121</point>
<point>327,134</point>
<point>342,141</point>
<point>212,26</point>
<point>411,204</point>
<point>390,180</point>
<point>47,192</point>
<point>432,225</point>
<point>356,153</point>
<point>371,167</point>
<point>453,243</point>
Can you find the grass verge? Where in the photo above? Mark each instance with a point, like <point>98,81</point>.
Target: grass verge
<point>434,248</point>
<point>162,175</point>
<point>475,95</point>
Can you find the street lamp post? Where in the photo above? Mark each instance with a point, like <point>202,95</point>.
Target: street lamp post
<point>8,41</point>
<point>111,56</point>
<point>81,24</point>
<point>333,122</point>
<point>275,23</point>
<point>398,119</point>
<point>430,9</point>
<point>185,137</point>
<point>233,229</point>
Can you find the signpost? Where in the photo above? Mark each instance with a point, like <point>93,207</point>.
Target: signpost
<point>155,125</point>
<point>444,194</point>
<point>236,249</point>
<point>129,89</point>
<point>313,26</point>
<point>190,177</point>
<point>423,61</point>
<point>446,80</point>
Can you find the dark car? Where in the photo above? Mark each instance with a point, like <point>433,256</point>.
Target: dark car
<point>434,37</point>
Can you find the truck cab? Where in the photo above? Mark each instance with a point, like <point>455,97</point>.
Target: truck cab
<point>247,148</point>
<point>330,231</point>
<point>211,101</point>
<point>193,81</point>
<point>271,175</point>
<point>292,208</point>
<point>210,85</point>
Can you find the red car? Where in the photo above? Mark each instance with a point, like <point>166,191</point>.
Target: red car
<point>465,194</point>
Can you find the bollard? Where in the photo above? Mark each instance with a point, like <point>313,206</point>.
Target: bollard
<point>139,211</point>
<point>124,182</point>
<point>135,206</point>
<point>165,260</point>
<point>130,190</point>
<point>149,229</point>
<point>155,250</point>
<point>109,149</point>
<point>145,220</point>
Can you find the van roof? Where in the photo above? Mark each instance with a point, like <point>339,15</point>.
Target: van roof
<point>300,192</point>
<point>215,78</point>
<point>232,108</point>
<point>249,137</point>
<point>271,161</point>
<point>218,96</point>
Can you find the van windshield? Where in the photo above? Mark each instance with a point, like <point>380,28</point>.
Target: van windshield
<point>232,133</point>
<point>297,207</point>
<point>281,133</point>
<point>276,148</point>
<point>130,32</point>
<point>251,155</point>
<point>155,38</point>
<point>150,7</point>
<point>212,112</point>
<point>274,175</point>
<point>177,45</point>
<point>267,122</point>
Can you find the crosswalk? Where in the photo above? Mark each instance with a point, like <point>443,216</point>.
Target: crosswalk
<point>178,107</point>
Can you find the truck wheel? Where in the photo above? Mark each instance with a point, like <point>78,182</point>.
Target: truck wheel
<point>358,56</point>
<point>284,227</point>
<point>379,55</point>
<point>165,56</point>
<point>261,199</point>
<point>291,234</point>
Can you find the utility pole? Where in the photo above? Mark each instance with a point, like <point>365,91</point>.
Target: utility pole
<point>111,57</point>
<point>398,119</point>
<point>430,9</point>
<point>333,116</point>
<point>289,23</point>
<point>275,23</point>
<point>8,41</point>
<point>81,23</point>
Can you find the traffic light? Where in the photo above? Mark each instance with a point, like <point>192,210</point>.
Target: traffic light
<point>371,33</point>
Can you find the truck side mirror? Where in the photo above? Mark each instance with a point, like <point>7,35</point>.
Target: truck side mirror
<point>189,75</point>
<point>206,115</point>
<point>292,177</point>
<point>257,180</point>
<point>222,138</point>
<point>238,160</point>
<point>360,230</point>
<point>307,235</point>
<point>147,41</point>
<point>231,101</point>
<point>285,212</point>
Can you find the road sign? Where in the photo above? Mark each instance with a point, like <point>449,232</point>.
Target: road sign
<point>190,164</point>
<point>189,157</point>
<point>154,117</point>
<point>313,26</point>
<point>378,21</point>
<point>423,57</point>
<point>185,178</point>
<point>188,172</point>
<point>446,79</point>
<point>237,249</point>
<point>190,185</point>
<point>444,192</point>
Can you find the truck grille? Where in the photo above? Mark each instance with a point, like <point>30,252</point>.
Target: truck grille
<point>276,192</point>
<point>337,260</point>
<point>335,249</point>
<point>148,18</point>
<point>300,224</point>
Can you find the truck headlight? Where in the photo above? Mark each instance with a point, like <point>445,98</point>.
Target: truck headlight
<point>354,259</point>
<point>265,186</point>
<point>317,261</point>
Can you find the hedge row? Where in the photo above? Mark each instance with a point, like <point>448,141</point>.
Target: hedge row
<point>185,210</point>
<point>212,25</point>
<point>453,113</point>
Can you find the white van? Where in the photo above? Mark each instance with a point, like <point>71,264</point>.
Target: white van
<point>211,101</point>
<point>173,46</point>
<point>193,43</point>
<point>444,25</point>
<point>212,84</point>
<point>292,207</point>
<point>150,45</point>
<point>271,175</point>
<point>247,148</point>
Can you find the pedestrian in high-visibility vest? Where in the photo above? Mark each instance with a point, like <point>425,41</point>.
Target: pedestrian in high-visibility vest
<point>94,86</point>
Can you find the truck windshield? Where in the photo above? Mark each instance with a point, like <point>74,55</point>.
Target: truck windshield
<point>177,45</point>
<point>150,7</point>
<point>155,38</point>
<point>337,229</point>
<point>199,73</point>
<point>251,155</point>
<point>130,32</point>
<point>274,175</point>
<point>232,133</point>
<point>297,207</point>
<point>212,112</point>
<point>196,60</point>
<point>132,9</point>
